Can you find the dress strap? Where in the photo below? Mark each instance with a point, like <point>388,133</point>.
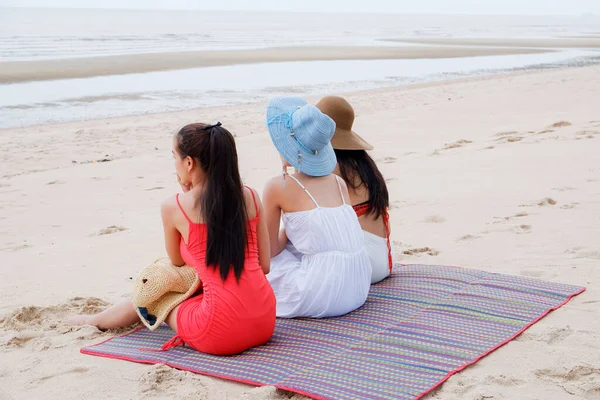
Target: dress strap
<point>181,208</point>
<point>253,198</point>
<point>340,187</point>
<point>305,189</point>
<point>386,223</point>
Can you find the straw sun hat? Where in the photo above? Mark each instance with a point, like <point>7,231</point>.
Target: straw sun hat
<point>343,114</point>
<point>302,135</point>
<point>159,288</point>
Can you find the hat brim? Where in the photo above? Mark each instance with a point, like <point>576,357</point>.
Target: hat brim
<point>321,164</point>
<point>344,139</point>
<point>153,315</point>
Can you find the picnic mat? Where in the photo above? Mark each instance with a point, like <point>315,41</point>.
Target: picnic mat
<point>417,328</point>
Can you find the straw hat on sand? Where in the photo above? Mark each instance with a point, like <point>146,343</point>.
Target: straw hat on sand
<point>159,288</point>
<point>339,110</point>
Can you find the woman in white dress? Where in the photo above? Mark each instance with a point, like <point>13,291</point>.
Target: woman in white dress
<point>368,192</point>
<point>319,266</point>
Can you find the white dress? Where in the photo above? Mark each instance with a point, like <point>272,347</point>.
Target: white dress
<point>325,270</point>
<point>377,248</point>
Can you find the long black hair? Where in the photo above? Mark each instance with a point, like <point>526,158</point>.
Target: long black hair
<point>222,204</point>
<point>358,169</point>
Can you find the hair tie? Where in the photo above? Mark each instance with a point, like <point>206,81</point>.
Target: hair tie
<point>208,127</point>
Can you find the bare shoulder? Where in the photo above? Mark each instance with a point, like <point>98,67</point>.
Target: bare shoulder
<point>252,201</point>
<point>274,186</point>
<point>341,181</point>
<point>169,205</point>
<point>250,194</point>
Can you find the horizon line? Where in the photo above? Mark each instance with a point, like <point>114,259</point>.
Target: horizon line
<point>580,14</point>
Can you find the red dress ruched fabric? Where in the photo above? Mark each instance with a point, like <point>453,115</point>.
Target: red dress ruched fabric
<point>230,316</point>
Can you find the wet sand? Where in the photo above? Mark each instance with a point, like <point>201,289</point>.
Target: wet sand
<point>588,42</point>
<point>23,71</point>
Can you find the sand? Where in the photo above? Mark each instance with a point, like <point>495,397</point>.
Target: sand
<point>497,173</point>
<point>589,42</point>
<point>22,71</point>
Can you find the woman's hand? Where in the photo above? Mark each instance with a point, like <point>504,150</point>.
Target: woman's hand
<point>186,187</point>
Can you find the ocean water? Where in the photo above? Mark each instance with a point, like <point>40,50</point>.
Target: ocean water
<point>41,34</point>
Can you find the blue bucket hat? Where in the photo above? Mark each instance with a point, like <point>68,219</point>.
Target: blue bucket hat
<point>302,135</point>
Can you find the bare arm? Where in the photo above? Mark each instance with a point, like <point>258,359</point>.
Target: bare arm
<point>272,216</point>
<point>172,235</point>
<point>264,246</point>
<point>345,192</point>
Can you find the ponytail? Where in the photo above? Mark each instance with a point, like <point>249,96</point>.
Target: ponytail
<point>222,204</point>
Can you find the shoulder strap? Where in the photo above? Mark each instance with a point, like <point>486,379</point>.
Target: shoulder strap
<point>181,208</point>
<point>305,190</point>
<point>340,187</point>
<point>253,198</point>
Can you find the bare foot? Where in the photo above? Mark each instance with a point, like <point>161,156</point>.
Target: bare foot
<point>79,320</point>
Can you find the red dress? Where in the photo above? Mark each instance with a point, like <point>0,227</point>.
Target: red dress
<point>230,316</point>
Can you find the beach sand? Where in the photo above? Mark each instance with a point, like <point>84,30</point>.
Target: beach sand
<point>22,71</point>
<point>497,173</point>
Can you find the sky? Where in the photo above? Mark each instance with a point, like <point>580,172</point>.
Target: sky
<point>513,7</point>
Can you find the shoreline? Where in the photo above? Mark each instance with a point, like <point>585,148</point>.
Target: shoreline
<point>410,86</point>
<point>71,68</point>
<point>582,42</point>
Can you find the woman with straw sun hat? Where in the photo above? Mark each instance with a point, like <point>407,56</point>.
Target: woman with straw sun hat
<point>319,266</point>
<point>220,301</point>
<point>366,186</point>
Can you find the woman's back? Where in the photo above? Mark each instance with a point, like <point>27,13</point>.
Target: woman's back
<point>317,227</point>
<point>372,223</point>
<point>325,271</point>
<point>229,306</point>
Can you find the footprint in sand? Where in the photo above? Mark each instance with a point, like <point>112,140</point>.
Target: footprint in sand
<point>110,230</point>
<point>588,133</point>
<point>569,206</point>
<point>56,183</point>
<point>510,139</point>
<point>77,370</point>
<point>547,202</point>
<point>564,189</point>
<point>579,252</point>
<point>161,380</point>
<point>504,134</point>
<point>17,247</point>
<point>582,381</point>
<point>504,380</point>
<point>532,273</point>
<point>21,339</point>
<point>549,336</point>
<point>468,238</point>
<point>435,219</point>
<point>421,250</point>
<point>389,160</point>
<point>560,124</point>
<point>450,146</point>
<point>523,229</point>
<point>457,144</point>
<point>504,219</point>
<point>269,392</point>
